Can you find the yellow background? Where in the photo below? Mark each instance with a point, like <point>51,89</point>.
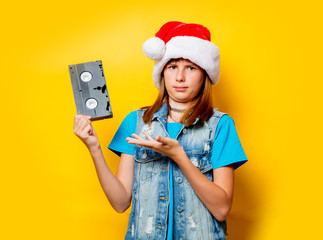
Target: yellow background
<point>271,84</point>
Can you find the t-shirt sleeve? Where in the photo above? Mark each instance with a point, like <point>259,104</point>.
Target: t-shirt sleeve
<point>128,126</point>
<point>227,148</point>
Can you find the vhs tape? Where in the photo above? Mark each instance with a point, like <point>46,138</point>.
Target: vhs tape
<point>90,90</point>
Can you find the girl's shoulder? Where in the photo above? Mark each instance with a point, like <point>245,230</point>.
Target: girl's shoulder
<point>218,114</point>
<point>140,111</point>
<point>132,116</point>
<point>221,118</point>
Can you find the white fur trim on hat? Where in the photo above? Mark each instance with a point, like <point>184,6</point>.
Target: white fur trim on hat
<point>201,52</point>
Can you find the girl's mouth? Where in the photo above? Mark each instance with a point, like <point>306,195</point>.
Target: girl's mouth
<point>180,89</point>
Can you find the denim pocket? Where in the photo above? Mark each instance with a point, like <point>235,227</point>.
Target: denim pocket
<point>147,171</point>
<point>148,163</point>
<point>144,155</point>
<point>201,162</point>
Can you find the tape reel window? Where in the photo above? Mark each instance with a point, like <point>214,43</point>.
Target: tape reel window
<point>91,103</point>
<point>86,76</point>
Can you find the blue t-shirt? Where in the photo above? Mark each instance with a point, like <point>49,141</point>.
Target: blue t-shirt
<point>226,149</point>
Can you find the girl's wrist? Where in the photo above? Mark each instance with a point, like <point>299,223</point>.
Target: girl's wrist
<point>179,155</point>
<point>94,149</point>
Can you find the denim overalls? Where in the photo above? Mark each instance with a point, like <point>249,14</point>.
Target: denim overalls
<point>150,194</point>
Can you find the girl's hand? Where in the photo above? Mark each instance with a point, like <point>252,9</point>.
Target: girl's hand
<point>167,146</point>
<point>84,130</point>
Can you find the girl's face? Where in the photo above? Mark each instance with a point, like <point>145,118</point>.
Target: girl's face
<point>183,81</point>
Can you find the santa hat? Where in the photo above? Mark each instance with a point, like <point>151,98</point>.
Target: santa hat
<point>181,40</point>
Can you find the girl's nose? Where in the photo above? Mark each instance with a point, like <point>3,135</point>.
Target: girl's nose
<point>180,76</point>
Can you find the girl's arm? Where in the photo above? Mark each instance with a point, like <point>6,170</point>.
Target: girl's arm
<point>216,195</point>
<point>117,188</point>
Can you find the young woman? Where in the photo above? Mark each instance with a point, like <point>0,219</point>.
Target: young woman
<point>177,156</point>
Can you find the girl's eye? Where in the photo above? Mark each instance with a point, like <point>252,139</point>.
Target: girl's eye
<point>172,67</point>
<point>191,68</point>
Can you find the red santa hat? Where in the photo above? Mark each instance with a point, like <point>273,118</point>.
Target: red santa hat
<point>181,40</point>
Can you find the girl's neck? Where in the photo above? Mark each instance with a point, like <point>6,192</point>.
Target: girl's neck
<point>174,116</point>
<point>178,105</point>
<point>176,110</point>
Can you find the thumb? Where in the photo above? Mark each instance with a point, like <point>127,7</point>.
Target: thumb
<point>160,139</point>
<point>163,140</point>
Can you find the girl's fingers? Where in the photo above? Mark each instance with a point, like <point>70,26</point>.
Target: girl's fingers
<point>148,136</point>
<point>137,137</point>
<point>82,124</point>
<point>131,140</point>
<point>150,143</point>
<point>87,123</point>
<point>160,139</point>
<point>86,131</point>
<point>78,119</point>
<point>139,141</point>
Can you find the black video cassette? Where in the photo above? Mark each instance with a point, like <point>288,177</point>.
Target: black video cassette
<point>90,90</point>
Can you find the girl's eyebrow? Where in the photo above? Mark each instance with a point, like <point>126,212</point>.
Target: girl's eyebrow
<point>173,62</point>
<point>191,65</point>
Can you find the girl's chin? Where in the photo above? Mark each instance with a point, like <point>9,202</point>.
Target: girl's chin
<point>180,100</point>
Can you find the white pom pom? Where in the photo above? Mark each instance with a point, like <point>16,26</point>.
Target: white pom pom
<point>154,48</point>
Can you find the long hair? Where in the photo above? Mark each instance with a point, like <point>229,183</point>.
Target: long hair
<point>201,107</point>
